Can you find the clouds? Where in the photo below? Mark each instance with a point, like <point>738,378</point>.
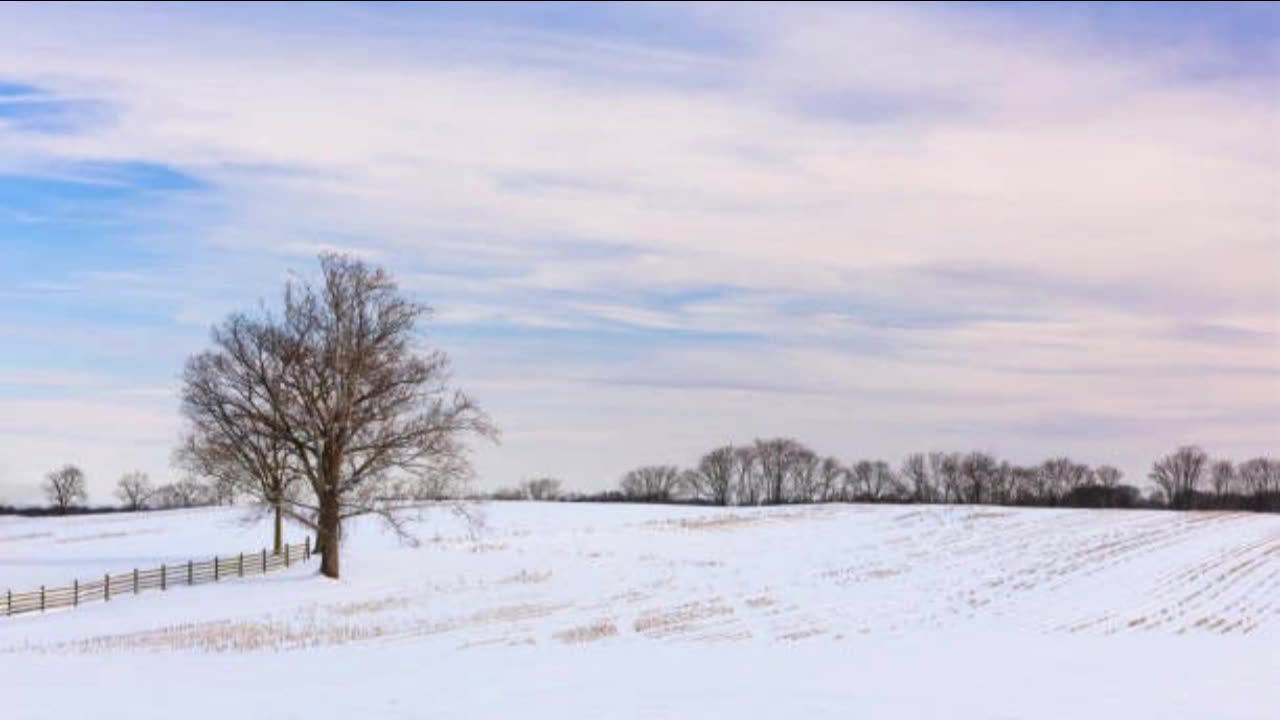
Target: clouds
<point>1045,212</point>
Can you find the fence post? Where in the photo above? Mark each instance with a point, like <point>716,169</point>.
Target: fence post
<point>106,586</point>
<point>264,561</point>
<point>189,566</point>
<point>215,568</point>
<point>75,592</point>
<point>163,580</point>
<point>135,581</point>
<point>306,549</point>
<point>41,598</point>
<point>241,566</point>
<point>286,555</point>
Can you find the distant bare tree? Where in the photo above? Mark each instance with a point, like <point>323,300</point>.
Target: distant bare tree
<point>1107,476</point>
<point>1024,484</point>
<point>785,465</point>
<point>915,472</point>
<point>690,486</point>
<point>747,479</point>
<point>65,488</point>
<point>860,480</point>
<point>222,492</point>
<point>1059,477</point>
<point>1000,489</point>
<point>185,493</point>
<point>1254,476</point>
<point>881,481</point>
<point>978,471</point>
<point>654,483</point>
<point>715,475</point>
<point>367,416</point>
<point>804,476</point>
<point>831,476</point>
<point>1179,475</point>
<point>1222,475</point>
<point>541,489</point>
<point>946,467</point>
<point>134,490</point>
<point>509,494</point>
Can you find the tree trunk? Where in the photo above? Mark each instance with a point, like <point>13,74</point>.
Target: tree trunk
<point>328,532</point>
<point>279,539</point>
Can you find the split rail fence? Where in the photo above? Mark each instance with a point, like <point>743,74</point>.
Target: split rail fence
<point>111,586</point>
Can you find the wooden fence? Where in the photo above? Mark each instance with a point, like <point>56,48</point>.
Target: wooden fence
<point>111,586</point>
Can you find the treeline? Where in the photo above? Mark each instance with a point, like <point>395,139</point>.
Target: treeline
<point>782,470</point>
<point>66,490</point>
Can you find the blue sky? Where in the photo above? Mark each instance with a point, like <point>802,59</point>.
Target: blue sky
<point>651,229</point>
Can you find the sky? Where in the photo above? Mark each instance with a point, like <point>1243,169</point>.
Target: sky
<point>649,229</point>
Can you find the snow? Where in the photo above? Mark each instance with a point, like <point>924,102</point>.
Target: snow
<point>627,611</point>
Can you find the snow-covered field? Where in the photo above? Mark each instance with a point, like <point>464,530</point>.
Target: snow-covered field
<point>624,611</point>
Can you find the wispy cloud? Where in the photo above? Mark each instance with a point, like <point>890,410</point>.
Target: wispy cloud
<point>1026,214</point>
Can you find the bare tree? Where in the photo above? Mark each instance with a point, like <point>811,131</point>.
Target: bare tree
<point>747,479</point>
<point>946,467</point>
<point>222,491</point>
<point>1107,476</point>
<point>1254,476</point>
<point>185,493</point>
<point>1179,474</point>
<point>134,490</point>
<point>654,483</point>
<point>782,463</point>
<point>859,480</point>
<point>915,472</point>
<point>881,481</point>
<point>977,472</point>
<point>65,488</point>
<point>804,478</point>
<point>230,437</point>
<point>831,476</point>
<point>541,489</point>
<point>1000,489</point>
<point>369,420</point>
<point>715,475</point>
<point>1222,474</point>
<point>509,494</point>
<point>1025,483</point>
<point>1059,477</point>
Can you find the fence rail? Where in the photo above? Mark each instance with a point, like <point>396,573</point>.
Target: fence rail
<point>162,578</point>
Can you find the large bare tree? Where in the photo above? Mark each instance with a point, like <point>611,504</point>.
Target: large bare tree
<point>65,488</point>
<point>134,490</point>
<point>366,416</point>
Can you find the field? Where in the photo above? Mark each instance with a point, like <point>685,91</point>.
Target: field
<point>567,611</point>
